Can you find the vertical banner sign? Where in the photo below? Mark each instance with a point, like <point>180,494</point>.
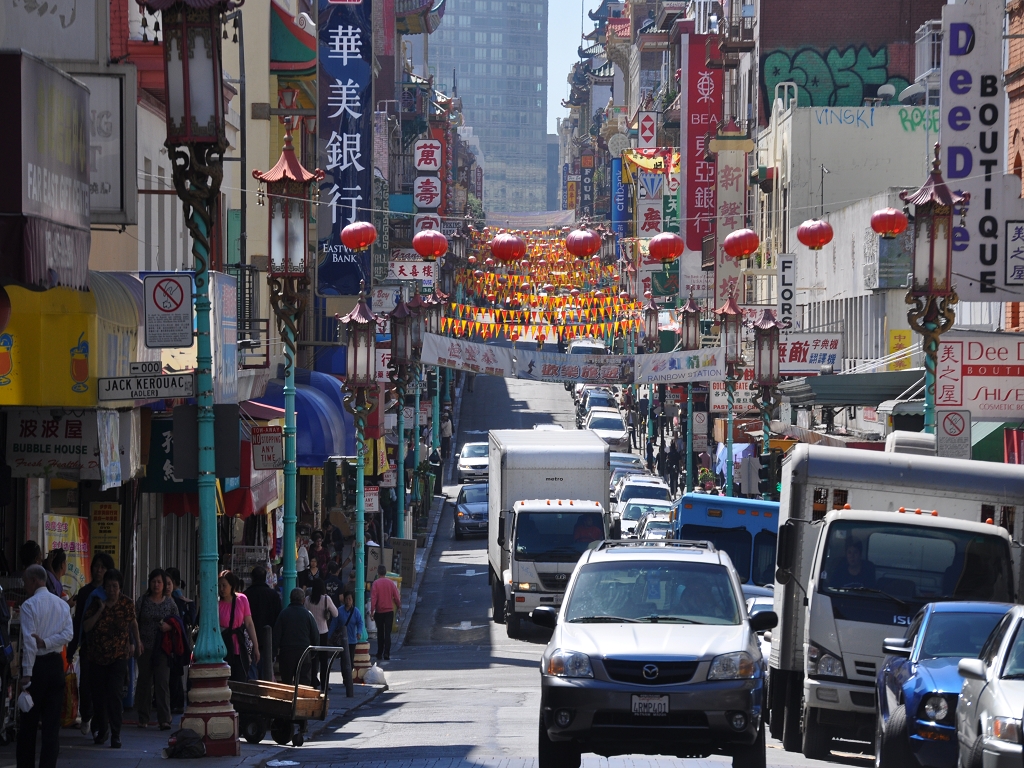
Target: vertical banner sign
<point>704,94</point>
<point>105,529</point>
<point>647,130</point>
<point>785,309</point>
<point>985,264</point>
<point>344,140</point>
<point>620,203</point>
<point>565,184</point>
<point>70,533</point>
<point>586,185</point>
<point>670,203</point>
<point>730,207</point>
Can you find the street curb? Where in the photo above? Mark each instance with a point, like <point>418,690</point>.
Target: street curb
<point>399,640</point>
<point>314,733</point>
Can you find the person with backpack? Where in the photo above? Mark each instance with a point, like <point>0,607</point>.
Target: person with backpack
<point>345,631</point>
<point>324,612</point>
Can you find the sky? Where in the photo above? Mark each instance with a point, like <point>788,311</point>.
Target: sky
<point>564,37</point>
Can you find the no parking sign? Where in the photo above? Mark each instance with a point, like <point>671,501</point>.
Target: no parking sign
<point>953,434</point>
<point>168,311</point>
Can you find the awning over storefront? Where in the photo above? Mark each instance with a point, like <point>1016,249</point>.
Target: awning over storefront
<point>258,488</point>
<point>259,411</point>
<point>851,389</point>
<point>321,429</point>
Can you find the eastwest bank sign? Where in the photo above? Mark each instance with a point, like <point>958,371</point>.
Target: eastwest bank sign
<point>988,263</point>
<point>983,373</point>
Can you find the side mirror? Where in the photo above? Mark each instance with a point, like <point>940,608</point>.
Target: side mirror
<point>897,646</point>
<point>545,616</point>
<point>767,636</point>
<point>501,531</point>
<point>764,620</point>
<point>786,547</point>
<point>783,576</point>
<point>971,669</point>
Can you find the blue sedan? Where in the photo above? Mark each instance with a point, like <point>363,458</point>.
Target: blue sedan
<point>919,684</point>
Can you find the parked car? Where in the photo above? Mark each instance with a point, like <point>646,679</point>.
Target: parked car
<point>473,462</point>
<point>618,459</point>
<point>634,509</point>
<point>593,398</point>
<point>654,525</point>
<point>918,685</point>
<point>652,653</point>
<point>548,427</point>
<point>471,510</point>
<point>609,426</point>
<point>988,713</point>
<point>640,486</point>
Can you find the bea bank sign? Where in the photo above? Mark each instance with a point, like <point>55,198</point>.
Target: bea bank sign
<point>988,260</point>
<point>983,373</point>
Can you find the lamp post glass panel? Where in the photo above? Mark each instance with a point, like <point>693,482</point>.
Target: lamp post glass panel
<point>416,307</point>
<point>931,295</point>
<point>766,377</point>
<point>730,320</point>
<point>401,353</point>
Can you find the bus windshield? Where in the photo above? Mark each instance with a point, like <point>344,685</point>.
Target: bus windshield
<point>906,566</point>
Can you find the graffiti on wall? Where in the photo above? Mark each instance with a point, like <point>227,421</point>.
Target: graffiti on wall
<point>831,78</point>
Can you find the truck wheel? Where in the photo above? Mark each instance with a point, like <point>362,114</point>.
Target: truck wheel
<point>556,754</point>
<point>817,738</point>
<point>791,738</point>
<point>513,623</point>
<point>497,602</point>
<point>752,756</point>
<point>892,748</point>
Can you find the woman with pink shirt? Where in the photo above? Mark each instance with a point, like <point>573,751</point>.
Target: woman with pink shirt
<point>385,600</point>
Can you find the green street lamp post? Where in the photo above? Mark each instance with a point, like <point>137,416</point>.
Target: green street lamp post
<point>416,306</point>
<point>730,319</point>
<point>689,331</point>
<point>766,379</point>
<point>196,143</point>
<point>401,353</point>
<point>360,401</point>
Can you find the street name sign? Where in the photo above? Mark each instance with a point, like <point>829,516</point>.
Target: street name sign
<point>151,387</point>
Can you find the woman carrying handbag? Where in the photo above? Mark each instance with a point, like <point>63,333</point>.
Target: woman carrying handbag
<point>236,627</point>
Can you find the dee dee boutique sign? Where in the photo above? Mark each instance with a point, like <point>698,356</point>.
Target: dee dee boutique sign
<point>982,373</point>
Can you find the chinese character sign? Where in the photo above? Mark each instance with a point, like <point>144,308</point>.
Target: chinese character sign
<point>900,340</point>
<point>427,155</point>
<point>705,109</point>
<point>983,373</point>
<point>586,197</point>
<point>426,192</point>
<point>805,353</point>
<point>344,141</point>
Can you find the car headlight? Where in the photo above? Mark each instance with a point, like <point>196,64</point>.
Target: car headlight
<point>525,586</point>
<point>569,664</point>
<point>732,666</point>
<point>1005,729</point>
<point>821,663</point>
<point>937,709</point>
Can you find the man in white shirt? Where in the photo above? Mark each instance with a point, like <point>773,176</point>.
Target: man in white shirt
<point>45,629</point>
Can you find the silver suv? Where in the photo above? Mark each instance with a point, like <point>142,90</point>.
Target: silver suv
<point>652,653</point>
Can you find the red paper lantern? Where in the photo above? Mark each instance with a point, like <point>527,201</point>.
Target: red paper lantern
<point>623,295</point>
<point>741,243</point>
<point>491,297</point>
<point>525,264</point>
<point>667,247</point>
<point>471,259</point>
<point>549,288</point>
<point>583,242</point>
<point>478,273</point>
<point>359,235</point>
<point>815,234</point>
<point>489,261</point>
<point>430,244</point>
<point>888,222</point>
<point>508,248</point>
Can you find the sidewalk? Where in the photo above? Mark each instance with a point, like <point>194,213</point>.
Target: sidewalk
<point>143,746</point>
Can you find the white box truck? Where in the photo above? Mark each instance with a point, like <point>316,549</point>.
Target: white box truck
<point>865,540</point>
<point>547,492</point>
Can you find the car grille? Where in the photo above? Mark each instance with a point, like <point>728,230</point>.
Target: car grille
<point>669,672</point>
<point>479,516</point>
<point>553,582</point>
<point>866,668</point>
<point>684,719</point>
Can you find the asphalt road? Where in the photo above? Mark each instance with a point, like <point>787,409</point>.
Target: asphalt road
<point>461,693</point>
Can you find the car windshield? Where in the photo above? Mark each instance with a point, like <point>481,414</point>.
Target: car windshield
<point>600,400</point>
<point>646,491</point>
<point>474,451</point>
<point>635,510</point>
<point>1014,666</point>
<point>556,537</point>
<point>912,565</point>
<point>957,635</point>
<point>612,423</point>
<point>584,349</point>
<point>656,526</point>
<point>473,494</point>
<point>638,590</point>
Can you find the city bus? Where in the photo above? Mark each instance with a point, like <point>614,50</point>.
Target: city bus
<point>746,529</point>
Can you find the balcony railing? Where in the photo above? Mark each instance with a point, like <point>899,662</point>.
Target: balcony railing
<point>253,343</point>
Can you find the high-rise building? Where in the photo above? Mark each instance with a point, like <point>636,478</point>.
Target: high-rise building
<point>497,51</point>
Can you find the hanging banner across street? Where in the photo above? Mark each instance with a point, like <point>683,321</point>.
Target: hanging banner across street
<point>680,367</point>
<point>467,356</point>
<point>581,369</point>
<point>344,141</point>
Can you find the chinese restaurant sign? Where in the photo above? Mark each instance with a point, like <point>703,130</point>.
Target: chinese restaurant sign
<point>983,373</point>
<point>344,141</point>
<point>47,442</point>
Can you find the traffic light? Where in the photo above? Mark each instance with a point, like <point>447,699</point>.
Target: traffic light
<point>765,474</point>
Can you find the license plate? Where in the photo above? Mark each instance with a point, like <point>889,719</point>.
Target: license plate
<point>648,705</point>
